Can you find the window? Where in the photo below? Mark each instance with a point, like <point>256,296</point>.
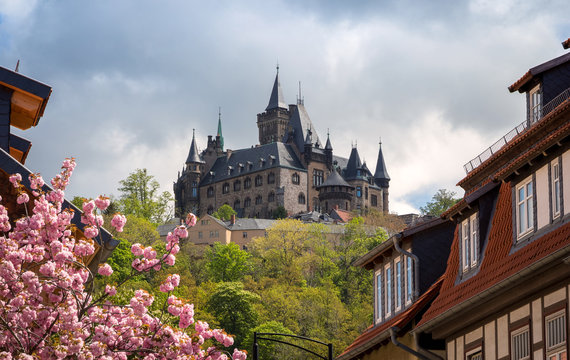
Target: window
<point>388,301</point>
<point>366,192</point>
<point>200,235</point>
<point>210,210</point>
<point>409,281</point>
<point>249,165</point>
<point>205,222</point>
<point>296,179</point>
<point>247,202</point>
<point>247,183</point>
<point>535,98</point>
<point>271,178</point>
<point>373,200</point>
<point>470,242</point>
<point>225,188</point>
<point>555,187</point>
<point>525,208</point>
<point>194,189</point>
<point>271,197</point>
<point>556,336</point>
<point>379,297</point>
<point>244,235</point>
<point>318,176</point>
<point>476,355</point>
<point>358,191</point>
<point>237,204</point>
<point>520,344</point>
<point>258,180</point>
<point>210,192</point>
<point>301,198</point>
<point>237,185</point>
<point>258,200</point>
<point>399,284</point>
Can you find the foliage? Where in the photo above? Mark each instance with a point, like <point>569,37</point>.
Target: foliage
<point>441,201</point>
<point>280,213</point>
<point>225,212</point>
<point>233,307</point>
<point>49,308</point>
<point>227,262</point>
<point>392,223</point>
<point>140,197</point>
<point>268,349</point>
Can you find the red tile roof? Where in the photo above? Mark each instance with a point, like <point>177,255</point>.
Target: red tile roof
<point>566,43</point>
<point>373,336</point>
<point>345,216</point>
<point>498,263</point>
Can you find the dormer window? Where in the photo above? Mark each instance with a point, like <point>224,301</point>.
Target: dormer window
<point>271,159</point>
<point>261,162</point>
<point>240,166</point>
<point>230,169</point>
<point>249,165</point>
<point>470,242</point>
<point>524,207</point>
<point>535,104</point>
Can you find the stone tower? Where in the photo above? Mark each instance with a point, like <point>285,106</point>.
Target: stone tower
<point>186,187</point>
<point>273,122</point>
<point>381,178</point>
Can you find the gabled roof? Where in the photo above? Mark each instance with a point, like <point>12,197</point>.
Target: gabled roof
<point>374,336</point>
<point>193,156</point>
<point>341,215</point>
<point>273,155</point>
<point>300,123</point>
<point>276,100</point>
<point>536,71</point>
<point>499,262</point>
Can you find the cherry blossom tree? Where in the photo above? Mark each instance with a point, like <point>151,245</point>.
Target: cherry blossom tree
<point>49,308</point>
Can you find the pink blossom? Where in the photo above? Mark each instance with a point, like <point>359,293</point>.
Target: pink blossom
<point>118,222</point>
<point>110,290</point>
<point>90,232</point>
<point>191,220</point>
<point>23,198</point>
<point>15,180</point>
<point>105,269</point>
<point>102,202</point>
<point>239,355</point>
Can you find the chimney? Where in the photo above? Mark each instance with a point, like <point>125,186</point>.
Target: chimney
<point>336,207</point>
<point>233,220</point>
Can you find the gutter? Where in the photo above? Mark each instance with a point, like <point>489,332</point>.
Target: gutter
<point>395,240</point>
<point>407,349</point>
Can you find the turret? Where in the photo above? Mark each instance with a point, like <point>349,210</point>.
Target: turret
<point>193,161</point>
<point>381,177</point>
<point>329,152</point>
<point>273,122</point>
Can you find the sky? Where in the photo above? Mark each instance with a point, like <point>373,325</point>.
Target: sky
<point>131,79</point>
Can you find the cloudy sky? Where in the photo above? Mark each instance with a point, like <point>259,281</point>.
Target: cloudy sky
<point>131,79</point>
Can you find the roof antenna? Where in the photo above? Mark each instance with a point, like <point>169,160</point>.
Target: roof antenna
<point>17,66</point>
<point>277,66</point>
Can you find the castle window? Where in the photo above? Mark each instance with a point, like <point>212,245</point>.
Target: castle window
<point>318,176</point>
<point>194,189</point>
<point>247,202</point>
<point>535,104</point>
<point>258,180</point>
<point>374,200</point>
<point>210,192</point>
<point>271,159</point>
<point>261,162</point>
<point>240,167</point>
<point>271,197</point>
<point>210,210</point>
<point>237,185</point>
<point>358,191</point>
<point>230,169</point>
<point>366,192</point>
<point>296,179</point>
<point>225,188</point>
<point>247,183</point>
<point>258,200</point>
<point>237,204</point>
<point>271,178</point>
<point>249,165</point>
<point>524,207</point>
<point>301,198</point>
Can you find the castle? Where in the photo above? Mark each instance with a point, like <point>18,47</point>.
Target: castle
<point>289,168</point>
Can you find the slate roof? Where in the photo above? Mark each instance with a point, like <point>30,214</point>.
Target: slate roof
<point>373,336</point>
<point>193,155</point>
<point>536,71</point>
<point>300,123</point>
<point>499,262</point>
<point>249,224</point>
<point>381,174</point>
<point>334,179</point>
<point>282,155</point>
<point>276,100</point>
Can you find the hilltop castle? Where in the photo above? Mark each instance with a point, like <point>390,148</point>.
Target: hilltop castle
<point>288,168</point>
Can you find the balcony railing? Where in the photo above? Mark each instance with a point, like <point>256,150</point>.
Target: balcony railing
<point>519,129</point>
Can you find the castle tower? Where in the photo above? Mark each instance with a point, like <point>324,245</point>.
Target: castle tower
<point>186,187</point>
<point>329,153</point>
<point>381,178</point>
<point>274,121</point>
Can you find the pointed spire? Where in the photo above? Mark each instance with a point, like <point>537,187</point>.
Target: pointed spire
<point>276,100</point>
<point>193,156</point>
<point>353,163</point>
<point>381,176</point>
<point>220,128</point>
<point>328,145</point>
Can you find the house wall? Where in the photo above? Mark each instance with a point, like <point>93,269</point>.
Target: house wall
<point>208,227</point>
<point>244,237</point>
<point>566,179</point>
<point>493,336</point>
<point>542,197</point>
<point>391,351</point>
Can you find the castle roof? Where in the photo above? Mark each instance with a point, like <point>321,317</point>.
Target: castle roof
<point>248,161</point>
<point>193,156</point>
<point>276,100</point>
<point>381,173</point>
<point>334,179</point>
<point>301,124</point>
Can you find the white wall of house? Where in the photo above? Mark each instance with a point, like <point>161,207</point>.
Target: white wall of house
<point>566,180</point>
<point>543,197</point>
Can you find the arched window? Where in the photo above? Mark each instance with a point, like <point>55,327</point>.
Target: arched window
<point>210,192</point>
<point>237,204</point>
<point>301,198</point>
<point>271,197</point>
<point>247,202</point>
<point>237,185</point>
<point>358,191</point>
<point>194,189</point>
<point>258,180</point>
<point>271,178</point>
<point>247,183</point>
<point>296,179</point>
<point>225,188</point>
<point>258,200</point>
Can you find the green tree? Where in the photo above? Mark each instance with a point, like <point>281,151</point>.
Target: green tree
<point>441,201</point>
<point>279,213</point>
<point>225,212</point>
<point>268,349</point>
<point>140,196</point>
<point>233,308</point>
<point>227,262</point>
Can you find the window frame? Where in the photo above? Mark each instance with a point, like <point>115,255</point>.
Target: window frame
<point>398,284</point>
<point>295,179</point>
<point>470,242</point>
<point>379,295</point>
<point>226,188</point>
<point>556,187</point>
<point>409,280</point>
<point>529,210</point>
<point>518,332</point>
<point>388,304</point>
<point>557,349</point>
<point>247,183</point>
<point>535,104</point>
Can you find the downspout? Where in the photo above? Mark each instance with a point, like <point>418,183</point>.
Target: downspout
<point>395,341</point>
<point>424,351</point>
<point>416,291</point>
